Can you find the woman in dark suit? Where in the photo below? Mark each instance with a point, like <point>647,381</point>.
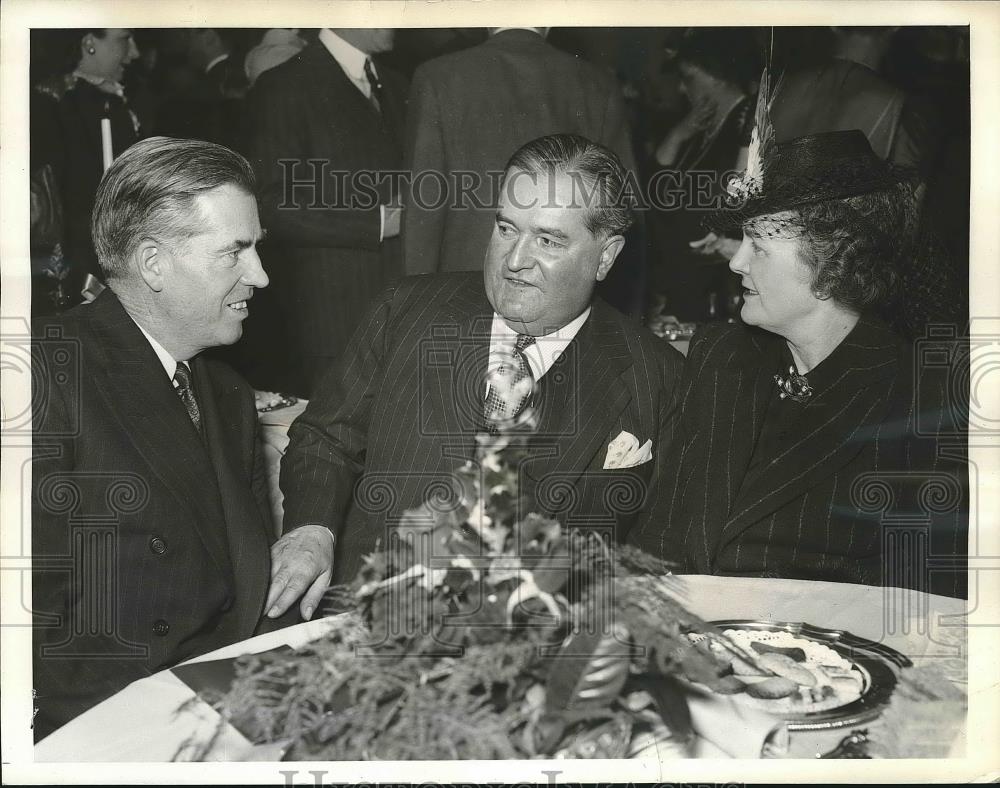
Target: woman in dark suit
<point>815,441</point>
<point>67,114</point>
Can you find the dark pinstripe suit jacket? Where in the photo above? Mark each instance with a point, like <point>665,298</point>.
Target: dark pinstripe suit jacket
<point>389,424</point>
<point>148,548</point>
<point>326,264</point>
<point>865,491</point>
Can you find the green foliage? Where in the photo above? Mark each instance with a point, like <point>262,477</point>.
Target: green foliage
<point>482,633</point>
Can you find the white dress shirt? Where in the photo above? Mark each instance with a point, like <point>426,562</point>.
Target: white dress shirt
<point>169,362</point>
<point>541,354</point>
<point>352,62</point>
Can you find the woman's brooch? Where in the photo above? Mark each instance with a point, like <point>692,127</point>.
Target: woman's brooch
<point>795,387</point>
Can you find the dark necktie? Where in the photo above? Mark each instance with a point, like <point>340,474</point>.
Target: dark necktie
<point>496,408</point>
<point>182,377</point>
<point>374,84</point>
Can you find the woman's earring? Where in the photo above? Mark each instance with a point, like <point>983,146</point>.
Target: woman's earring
<point>90,50</point>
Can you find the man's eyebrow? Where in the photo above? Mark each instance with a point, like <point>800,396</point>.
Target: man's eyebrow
<point>539,230</point>
<point>242,244</point>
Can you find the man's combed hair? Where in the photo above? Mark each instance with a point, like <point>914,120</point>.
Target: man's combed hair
<point>601,181</point>
<point>150,191</point>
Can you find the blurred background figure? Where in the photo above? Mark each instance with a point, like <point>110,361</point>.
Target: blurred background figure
<point>867,78</point>
<point>847,91</point>
<point>332,245</point>
<point>276,46</point>
<point>211,51</point>
<point>678,99</point>
<point>717,70</point>
<point>78,109</point>
<point>469,111</point>
<point>209,85</point>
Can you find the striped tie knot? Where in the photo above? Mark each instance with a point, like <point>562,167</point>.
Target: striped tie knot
<point>184,389</point>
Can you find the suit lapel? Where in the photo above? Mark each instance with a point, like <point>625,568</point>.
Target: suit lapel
<point>734,390</point>
<point>453,360</point>
<point>341,85</point>
<point>597,395</point>
<point>224,417</point>
<point>851,400</point>
<point>152,416</point>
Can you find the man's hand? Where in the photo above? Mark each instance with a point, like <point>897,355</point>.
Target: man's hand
<point>301,563</point>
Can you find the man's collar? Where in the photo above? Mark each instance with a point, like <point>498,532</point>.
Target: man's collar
<point>350,58</point>
<point>567,332</point>
<point>541,354</point>
<point>215,60</point>
<point>169,362</point>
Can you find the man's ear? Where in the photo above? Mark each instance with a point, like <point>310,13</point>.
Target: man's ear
<point>609,253</point>
<point>151,263</point>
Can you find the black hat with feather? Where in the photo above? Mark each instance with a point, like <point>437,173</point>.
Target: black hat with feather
<point>781,176</point>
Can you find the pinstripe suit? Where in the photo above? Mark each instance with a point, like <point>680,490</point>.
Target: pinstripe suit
<point>327,263</point>
<point>399,414</point>
<point>844,487</point>
<point>169,534</point>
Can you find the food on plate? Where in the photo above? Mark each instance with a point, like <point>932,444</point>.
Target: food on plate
<point>795,653</point>
<point>783,673</point>
<point>774,687</point>
<point>785,666</point>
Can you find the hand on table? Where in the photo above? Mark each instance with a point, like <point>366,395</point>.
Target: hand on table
<point>301,566</point>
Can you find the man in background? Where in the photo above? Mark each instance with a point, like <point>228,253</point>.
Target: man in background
<point>468,110</point>
<point>315,123</point>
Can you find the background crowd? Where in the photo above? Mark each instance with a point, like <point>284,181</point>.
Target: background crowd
<point>448,100</point>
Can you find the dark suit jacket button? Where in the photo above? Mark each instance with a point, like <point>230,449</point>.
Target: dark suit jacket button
<point>160,627</point>
<point>157,546</point>
<point>227,605</point>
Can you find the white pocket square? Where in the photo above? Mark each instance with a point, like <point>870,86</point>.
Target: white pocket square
<point>625,452</point>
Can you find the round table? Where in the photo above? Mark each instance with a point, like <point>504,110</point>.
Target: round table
<point>143,721</point>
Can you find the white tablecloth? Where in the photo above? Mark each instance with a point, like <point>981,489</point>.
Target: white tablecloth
<point>274,435</point>
<point>144,722</point>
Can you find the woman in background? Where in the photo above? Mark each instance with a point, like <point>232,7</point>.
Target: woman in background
<point>67,110</point>
<point>715,66</point>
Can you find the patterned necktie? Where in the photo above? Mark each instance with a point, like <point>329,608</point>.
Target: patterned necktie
<point>182,377</point>
<point>497,409</point>
<point>375,86</point>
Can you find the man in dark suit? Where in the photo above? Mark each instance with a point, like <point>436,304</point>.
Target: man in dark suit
<point>210,105</point>
<point>315,123</point>
<point>150,526</point>
<point>467,111</point>
<point>393,420</point>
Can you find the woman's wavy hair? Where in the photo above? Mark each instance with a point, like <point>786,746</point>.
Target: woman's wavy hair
<point>857,246</point>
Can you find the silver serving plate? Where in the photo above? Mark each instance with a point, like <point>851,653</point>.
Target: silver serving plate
<point>877,663</point>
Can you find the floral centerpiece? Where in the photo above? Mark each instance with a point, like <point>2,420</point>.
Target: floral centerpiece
<point>484,631</point>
